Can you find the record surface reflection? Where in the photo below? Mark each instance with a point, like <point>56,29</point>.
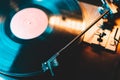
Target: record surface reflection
<point>21,55</point>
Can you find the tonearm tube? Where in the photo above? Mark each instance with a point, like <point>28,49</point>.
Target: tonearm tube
<point>52,62</point>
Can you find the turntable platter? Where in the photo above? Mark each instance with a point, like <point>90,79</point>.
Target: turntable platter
<point>27,41</point>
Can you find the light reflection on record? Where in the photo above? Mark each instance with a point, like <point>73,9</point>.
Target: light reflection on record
<point>21,57</point>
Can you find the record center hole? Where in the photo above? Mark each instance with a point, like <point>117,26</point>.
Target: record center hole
<point>29,23</point>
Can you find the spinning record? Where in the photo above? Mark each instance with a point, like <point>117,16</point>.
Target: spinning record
<point>26,37</point>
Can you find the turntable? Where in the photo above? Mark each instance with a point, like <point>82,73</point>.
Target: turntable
<point>106,32</point>
<point>35,32</point>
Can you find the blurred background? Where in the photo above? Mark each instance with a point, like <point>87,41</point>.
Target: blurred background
<point>96,55</point>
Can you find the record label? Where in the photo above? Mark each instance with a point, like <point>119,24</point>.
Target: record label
<point>29,23</point>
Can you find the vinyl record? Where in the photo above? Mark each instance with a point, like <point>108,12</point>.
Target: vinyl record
<point>26,37</point>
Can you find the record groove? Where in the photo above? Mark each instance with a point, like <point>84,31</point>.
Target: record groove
<point>19,57</point>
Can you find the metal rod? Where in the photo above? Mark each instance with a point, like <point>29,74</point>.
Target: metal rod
<point>116,35</point>
<point>77,37</point>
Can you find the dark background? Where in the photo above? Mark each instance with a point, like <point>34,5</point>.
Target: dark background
<point>93,2</point>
